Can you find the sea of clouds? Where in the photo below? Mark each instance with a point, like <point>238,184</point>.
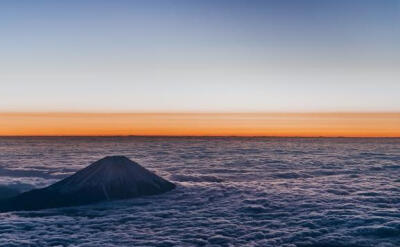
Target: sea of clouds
<point>231,192</point>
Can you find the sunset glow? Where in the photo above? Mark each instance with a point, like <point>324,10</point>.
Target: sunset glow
<point>230,68</point>
<point>187,124</point>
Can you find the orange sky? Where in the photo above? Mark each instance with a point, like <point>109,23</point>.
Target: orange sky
<point>202,124</point>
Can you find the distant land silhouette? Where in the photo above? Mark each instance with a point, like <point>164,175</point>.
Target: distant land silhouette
<point>113,177</point>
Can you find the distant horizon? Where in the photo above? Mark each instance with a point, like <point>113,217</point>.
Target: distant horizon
<point>272,124</point>
<point>178,136</point>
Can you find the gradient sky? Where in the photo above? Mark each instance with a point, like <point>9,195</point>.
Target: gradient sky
<point>205,124</point>
<point>200,56</point>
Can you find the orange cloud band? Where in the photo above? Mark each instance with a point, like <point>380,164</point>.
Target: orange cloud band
<point>201,124</point>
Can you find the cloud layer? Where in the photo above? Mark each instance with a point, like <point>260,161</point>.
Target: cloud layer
<point>231,192</point>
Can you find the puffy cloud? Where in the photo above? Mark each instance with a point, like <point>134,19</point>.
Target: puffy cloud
<point>240,192</point>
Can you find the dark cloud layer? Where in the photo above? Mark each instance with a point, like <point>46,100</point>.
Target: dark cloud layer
<point>231,192</point>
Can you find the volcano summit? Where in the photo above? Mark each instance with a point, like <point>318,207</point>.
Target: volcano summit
<point>113,177</point>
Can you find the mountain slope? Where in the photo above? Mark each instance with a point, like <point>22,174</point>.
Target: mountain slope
<point>113,177</point>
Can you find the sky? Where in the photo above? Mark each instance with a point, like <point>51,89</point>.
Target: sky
<point>186,56</point>
<point>201,124</point>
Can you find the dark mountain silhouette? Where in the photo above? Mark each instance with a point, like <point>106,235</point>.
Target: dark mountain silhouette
<point>114,177</point>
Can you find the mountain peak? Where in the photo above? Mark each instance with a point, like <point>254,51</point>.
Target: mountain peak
<point>115,158</point>
<point>113,177</point>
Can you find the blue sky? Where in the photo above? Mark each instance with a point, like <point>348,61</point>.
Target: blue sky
<point>210,56</point>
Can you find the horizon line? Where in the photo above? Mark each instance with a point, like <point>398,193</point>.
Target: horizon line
<point>207,136</point>
<point>202,112</point>
<point>312,124</point>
